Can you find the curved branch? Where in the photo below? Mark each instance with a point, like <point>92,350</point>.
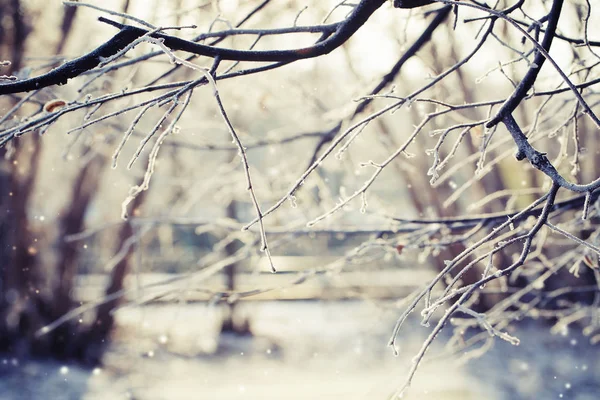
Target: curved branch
<point>515,216</point>
<point>128,34</point>
<point>540,161</point>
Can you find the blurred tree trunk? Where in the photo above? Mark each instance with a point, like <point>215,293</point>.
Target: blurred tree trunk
<point>73,221</point>
<point>22,286</point>
<point>232,322</point>
<point>19,286</point>
<point>34,294</point>
<point>96,337</point>
<point>66,26</point>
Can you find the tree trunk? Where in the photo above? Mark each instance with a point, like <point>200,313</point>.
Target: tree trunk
<point>97,336</point>
<point>33,294</point>
<point>230,322</point>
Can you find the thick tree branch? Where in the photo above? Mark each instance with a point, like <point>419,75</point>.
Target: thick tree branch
<point>530,77</point>
<point>540,161</point>
<point>71,69</point>
<point>411,3</point>
<point>128,34</point>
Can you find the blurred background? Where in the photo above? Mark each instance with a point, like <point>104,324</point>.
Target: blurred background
<point>178,302</point>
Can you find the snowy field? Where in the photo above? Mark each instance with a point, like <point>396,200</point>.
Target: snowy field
<point>304,350</point>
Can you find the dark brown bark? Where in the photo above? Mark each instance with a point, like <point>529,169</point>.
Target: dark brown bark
<point>30,296</point>
<point>84,188</point>
<point>13,35</point>
<point>20,283</point>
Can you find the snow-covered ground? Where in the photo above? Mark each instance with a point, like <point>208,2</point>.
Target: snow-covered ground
<point>304,350</point>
